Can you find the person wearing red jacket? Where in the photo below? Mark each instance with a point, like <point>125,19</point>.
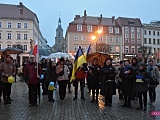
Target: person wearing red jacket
<point>32,80</point>
<point>80,77</point>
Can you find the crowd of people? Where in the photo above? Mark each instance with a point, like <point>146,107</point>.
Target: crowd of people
<point>132,79</point>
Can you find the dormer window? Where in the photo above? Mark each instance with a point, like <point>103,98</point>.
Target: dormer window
<point>131,22</point>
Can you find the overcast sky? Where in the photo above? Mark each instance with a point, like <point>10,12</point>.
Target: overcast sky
<point>48,11</point>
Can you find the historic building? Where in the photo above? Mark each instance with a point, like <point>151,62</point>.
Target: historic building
<point>60,43</point>
<point>19,27</point>
<point>152,40</point>
<point>132,36</point>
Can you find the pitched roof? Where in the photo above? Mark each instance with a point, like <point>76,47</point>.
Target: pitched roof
<point>94,21</point>
<point>122,21</point>
<point>8,11</point>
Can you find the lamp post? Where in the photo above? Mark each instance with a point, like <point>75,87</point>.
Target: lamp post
<point>94,37</point>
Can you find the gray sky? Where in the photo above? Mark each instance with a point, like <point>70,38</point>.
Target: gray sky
<point>48,11</point>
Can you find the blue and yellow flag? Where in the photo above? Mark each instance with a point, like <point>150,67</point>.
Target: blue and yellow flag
<point>79,60</point>
<point>87,52</point>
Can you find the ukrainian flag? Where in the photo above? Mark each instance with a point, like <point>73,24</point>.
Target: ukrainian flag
<point>87,52</point>
<point>79,60</point>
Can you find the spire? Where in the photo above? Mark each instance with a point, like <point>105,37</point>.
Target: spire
<point>59,22</point>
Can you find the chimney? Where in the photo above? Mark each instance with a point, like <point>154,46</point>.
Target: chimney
<point>113,19</point>
<point>21,8</point>
<point>84,18</point>
<point>76,17</point>
<point>100,19</point>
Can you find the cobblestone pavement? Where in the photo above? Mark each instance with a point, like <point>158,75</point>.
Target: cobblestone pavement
<point>71,110</point>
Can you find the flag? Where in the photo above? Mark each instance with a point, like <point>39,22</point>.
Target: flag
<point>79,60</point>
<point>35,51</point>
<point>87,52</point>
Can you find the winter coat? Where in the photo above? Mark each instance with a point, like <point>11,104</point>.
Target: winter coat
<point>153,72</point>
<point>30,73</point>
<point>51,74</point>
<point>127,80</point>
<point>142,86</point>
<point>93,78</point>
<point>107,73</point>
<point>7,68</point>
<point>65,74</point>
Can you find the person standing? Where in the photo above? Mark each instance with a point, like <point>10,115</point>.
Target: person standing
<point>154,79</point>
<point>32,79</point>
<point>119,79</point>
<point>142,86</point>
<point>7,69</point>
<point>127,83</point>
<point>51,77</point>
<point>62,72</point>
<point>16,65</point>
<point>70,67</point>
<point>93,75</point>
<point>107,78</point>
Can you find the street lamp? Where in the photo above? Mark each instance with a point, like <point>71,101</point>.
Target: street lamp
<point>94,37</point>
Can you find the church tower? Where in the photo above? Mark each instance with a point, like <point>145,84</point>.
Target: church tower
<point>59,45</point>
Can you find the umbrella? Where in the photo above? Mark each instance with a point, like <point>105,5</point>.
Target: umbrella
<point>11,51</point>
<point>58,55</point>
<point>100,56</point>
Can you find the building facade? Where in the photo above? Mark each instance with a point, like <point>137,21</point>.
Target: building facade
<point>19,27</point>
<point>132,36</point>
<point>152,40</point>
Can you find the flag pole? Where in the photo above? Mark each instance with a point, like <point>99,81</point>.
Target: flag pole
<point>37,56</point>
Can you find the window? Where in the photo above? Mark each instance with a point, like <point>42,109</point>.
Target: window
<point>158,41</point>
<point>76,48</point>
<point>149,40</point>
<point>25,47</point>
<point>126,30</point>
<point>83,37</point>
<point>79,27</point>
<point>18,36</point>
<point>9,36</point>
<point>9,25</point>
<point>101,38</point>
<point>126,35</point>
<point>117,39</point>
<point>8,46</point>
<point>75,37</point>
<point>133,50</point>
<point>83,48</point>
<point>111,39</point>
<point>145,40</point>
<point>0,35</point>
<point>154,41</point>
<point>116,30</point>
<point>25,25</point>
<point>149,32</point>
<point>138,36</point>
<point>138,31</point>
<point>154,33</point>
<point>25,36</point>
<point>132,30</point>
<point>138,41</point>
<point>132,40</point>
<point>100,28</point>
<point>157,33</point>
<point>145,32</point>
<point>110,29</point>
<point>126,49</point>
<point>117,48</point>
<point>126,40</point>
<point>18,25</point>
<point>111,48</point>
<point>132,35</point>
<point>89,28</point>
<point>0,24</point>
